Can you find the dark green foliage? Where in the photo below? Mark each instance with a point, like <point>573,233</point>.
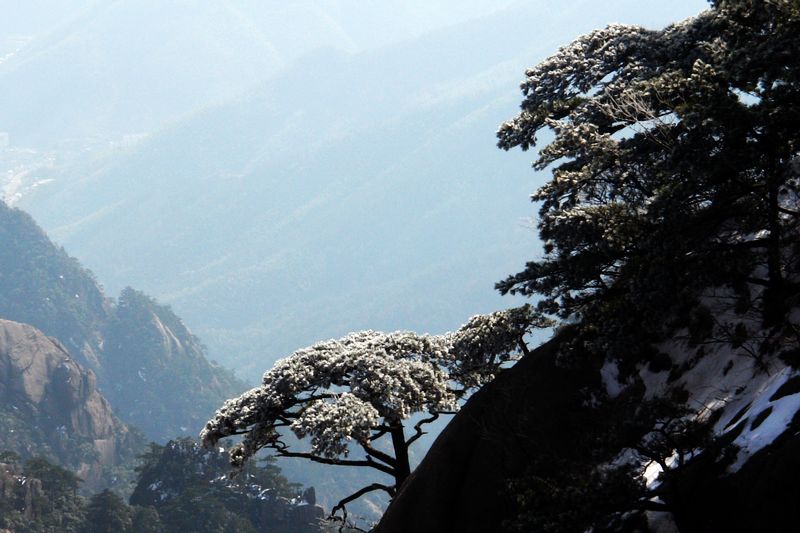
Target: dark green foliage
<point>198,510</point>
<point>43,286</point>
<point>586,484</point>
<point>107,513</point>
<point>146,520</point>
<point>675,186</point>
<point>46,500</point>
<point>192,490</point>
<point>60,483</point>
<point>157,374</point>
<point>675,168</point>
<point>182,463</point>
<point>182,488</point>
<point>29,437</point>
<point>559,496</point>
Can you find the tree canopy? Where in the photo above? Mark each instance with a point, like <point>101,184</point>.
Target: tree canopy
<point>673,202</point>
<point>674,161</point>
<point>360,390</point>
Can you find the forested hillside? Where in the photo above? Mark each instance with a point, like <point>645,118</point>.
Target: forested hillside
<point>67,462</point>
<point>336,188</point>
<point>148,364</point>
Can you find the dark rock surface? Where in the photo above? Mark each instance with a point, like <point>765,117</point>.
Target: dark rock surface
<point>536,416</point>
<point>21,492</point>
<point>461,485</point>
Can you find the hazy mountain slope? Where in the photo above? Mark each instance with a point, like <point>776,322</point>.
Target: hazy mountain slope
<point>156,373</point>
<point>346,192</point>
<point>41,285</point>
<point>108,69</point>
<point>149,365</point>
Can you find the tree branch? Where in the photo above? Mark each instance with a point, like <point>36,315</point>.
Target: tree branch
<point>523,347</point>
<point>757,281</point>
<point>341,506</point>
<point>283,452</point>
<point>418,427</point>
<point>379,455</point>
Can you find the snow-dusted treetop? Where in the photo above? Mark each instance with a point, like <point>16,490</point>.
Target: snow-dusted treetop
<point>671,147</point>
<point>362,387</point>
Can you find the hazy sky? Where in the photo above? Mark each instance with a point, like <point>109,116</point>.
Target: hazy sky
<point>283,172</point>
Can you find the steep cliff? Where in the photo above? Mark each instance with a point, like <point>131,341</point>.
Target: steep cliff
<point>705,441</point>
<point>18,492</point>
<point>50,406</point>
<point>148,364</point>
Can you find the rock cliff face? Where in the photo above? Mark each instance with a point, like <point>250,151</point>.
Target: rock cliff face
<point>20,492</point>
<point>50,406</point>
<point>536,447</point>
<point>461,485</point>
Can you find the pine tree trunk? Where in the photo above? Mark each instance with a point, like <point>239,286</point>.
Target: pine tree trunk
<point>402,469</point>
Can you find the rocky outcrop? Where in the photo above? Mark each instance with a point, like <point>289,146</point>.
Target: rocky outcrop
<point>51,406</point>
<point>156,373</point>
<point>555,427</point>
<point>462,484</point>
<point>148,364</point>
<point>21,493</point>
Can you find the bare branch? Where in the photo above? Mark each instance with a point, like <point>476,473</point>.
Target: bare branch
<point>341,506</point>
<point>379,455</point>
<point>283,452</point>
<point>418,427</point>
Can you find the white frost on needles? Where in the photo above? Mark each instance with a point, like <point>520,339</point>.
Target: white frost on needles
<point>349,389</point>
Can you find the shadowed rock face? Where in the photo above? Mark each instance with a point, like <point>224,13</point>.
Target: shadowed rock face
<point>536,417</point>
<point>461,485</point>
<point>55,400</point>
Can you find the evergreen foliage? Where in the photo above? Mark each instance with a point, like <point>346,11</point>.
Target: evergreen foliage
<point>107,513</point>
<point>361,391</point>
<point>146,520</point>
<point>152,369</point>
<point>47,500</point>
<point>191,489</point>
<point>675,166</point>
<point>157,373</point>
<point>41,285</point>
<point>181,488</point>
<point>675,185</point>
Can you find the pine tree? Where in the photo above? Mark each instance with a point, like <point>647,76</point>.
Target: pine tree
<point>674,161</point>
<point>357,394</point>
<point>146,520</point>
<point>107,513</point>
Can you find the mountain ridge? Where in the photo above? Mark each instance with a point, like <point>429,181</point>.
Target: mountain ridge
<point>149,365</point>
